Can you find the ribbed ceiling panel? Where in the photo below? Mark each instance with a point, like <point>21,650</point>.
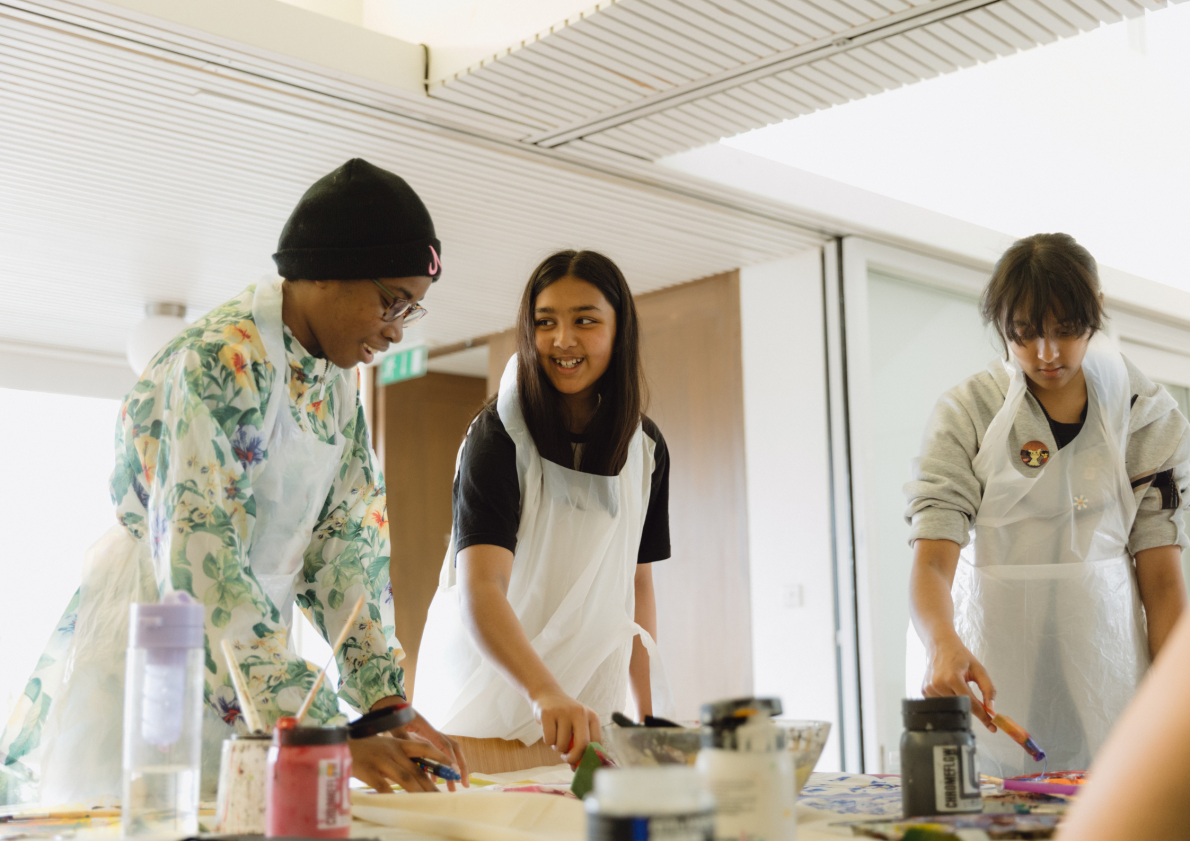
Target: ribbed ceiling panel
<point>140,165</point>
<point>144,161</point>
<point>649,78</point>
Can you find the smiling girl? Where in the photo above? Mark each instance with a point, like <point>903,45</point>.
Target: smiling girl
<point>545,615</point>
<point>1048,493</point>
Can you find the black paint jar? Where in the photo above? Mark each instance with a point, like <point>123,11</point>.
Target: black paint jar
<point>938,775</point>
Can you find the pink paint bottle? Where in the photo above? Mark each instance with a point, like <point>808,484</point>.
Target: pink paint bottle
<point>306,785</point>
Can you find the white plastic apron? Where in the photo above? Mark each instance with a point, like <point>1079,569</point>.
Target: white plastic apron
<point>1045,595</point>
<point>294,484</point>
<point>572,588</point>
<point>83,732</point>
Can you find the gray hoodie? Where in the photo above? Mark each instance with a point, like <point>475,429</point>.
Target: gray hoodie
<point>945,494</point>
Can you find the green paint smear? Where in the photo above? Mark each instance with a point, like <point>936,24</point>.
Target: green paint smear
<point>584,776</point>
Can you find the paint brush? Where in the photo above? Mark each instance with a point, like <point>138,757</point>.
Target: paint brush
<point>305,707</point>
<point>72,816</point>
<point>444,772</point>
<point>237,681</point>
<point>1017,733</point>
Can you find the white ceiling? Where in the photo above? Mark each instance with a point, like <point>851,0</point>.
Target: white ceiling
<point>139,166</point>
<point>471,362</point>
<point>649,78</point>
<point>145,159</point>
<point>1056,132</point>
<point>459,33</point>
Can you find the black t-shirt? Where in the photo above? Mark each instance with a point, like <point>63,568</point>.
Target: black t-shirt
<point>487,493</point>
<point>1064,433</point>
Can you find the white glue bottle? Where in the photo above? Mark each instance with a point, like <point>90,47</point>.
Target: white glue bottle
<point>664,803</point>
<point>745,765</point>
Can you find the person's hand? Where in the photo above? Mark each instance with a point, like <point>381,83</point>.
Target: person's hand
<point>952,669</point>
<point>567,725</point>
<point>421,730</point>
<point>381,760</point>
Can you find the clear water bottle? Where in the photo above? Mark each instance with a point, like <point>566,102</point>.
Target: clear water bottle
<point>163,718</point>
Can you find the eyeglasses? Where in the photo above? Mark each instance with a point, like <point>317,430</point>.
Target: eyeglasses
<point>400,307</point>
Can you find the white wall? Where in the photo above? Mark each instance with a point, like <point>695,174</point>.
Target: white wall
<point>64,372</point>
<point>1083,135</point>
<point>58,413</point>
<point>325,37</point>
<point>789,516</point>
<point>54,503</point>
<point>1163,365</point>
<point>843,209</point>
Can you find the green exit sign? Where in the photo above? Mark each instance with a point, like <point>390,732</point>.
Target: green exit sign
<point>407,364</point>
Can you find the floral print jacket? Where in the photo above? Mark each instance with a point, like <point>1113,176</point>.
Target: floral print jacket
<point>188,446</point>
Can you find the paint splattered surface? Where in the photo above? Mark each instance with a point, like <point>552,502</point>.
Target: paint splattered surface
<point>947,828</point>
<point>1056,782</point>
<point>853,794</point>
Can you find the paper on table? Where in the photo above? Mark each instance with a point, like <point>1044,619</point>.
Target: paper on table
<point>476,815</point>
<point>545,775</point>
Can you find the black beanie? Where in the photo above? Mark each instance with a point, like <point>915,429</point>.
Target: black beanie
<point>357,223</point>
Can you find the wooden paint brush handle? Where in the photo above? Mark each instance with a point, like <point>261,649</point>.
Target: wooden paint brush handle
<point>237,681</point>
<point>1018,734</point>
<point>305,707</point>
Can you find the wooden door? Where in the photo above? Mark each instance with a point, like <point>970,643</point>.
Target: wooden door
<point>694,369</point>
<point>423,422</point>
<point>501,347</point>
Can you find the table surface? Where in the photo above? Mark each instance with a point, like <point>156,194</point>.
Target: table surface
<point>827,803</point>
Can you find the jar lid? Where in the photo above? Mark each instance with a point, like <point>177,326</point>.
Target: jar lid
<point>642,791</point>
<point>176,622</point>
<point>288,733</point>
<point>381,721</point>
<point>738,708</point>
<point>952,712</point>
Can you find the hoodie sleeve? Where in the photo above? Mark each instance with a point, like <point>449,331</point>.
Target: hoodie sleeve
<point>1158,462</point>
<point>944,494</point>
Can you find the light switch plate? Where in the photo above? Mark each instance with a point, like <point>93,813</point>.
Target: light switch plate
<point>792,596</point>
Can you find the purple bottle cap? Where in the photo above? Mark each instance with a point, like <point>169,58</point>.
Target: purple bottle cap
<point>175,623</point>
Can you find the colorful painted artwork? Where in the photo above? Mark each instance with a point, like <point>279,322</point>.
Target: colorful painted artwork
<point>1054,782</point>
<point>946,828</point>
<point>1001,802</point>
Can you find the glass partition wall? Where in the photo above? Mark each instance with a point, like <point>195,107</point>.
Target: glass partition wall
<point>907,329</point>
<point>925,341</point>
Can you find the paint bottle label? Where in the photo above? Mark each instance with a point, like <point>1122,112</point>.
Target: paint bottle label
<point>697,826</point>
<point>956,786</point>
<point>754,794</point>
<point>332,793</point>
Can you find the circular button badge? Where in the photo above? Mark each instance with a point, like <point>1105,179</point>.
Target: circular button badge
<point>1035,454</point>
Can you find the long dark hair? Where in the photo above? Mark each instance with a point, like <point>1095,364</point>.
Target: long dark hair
<point>1045,274</point>
<point>621,388</point>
